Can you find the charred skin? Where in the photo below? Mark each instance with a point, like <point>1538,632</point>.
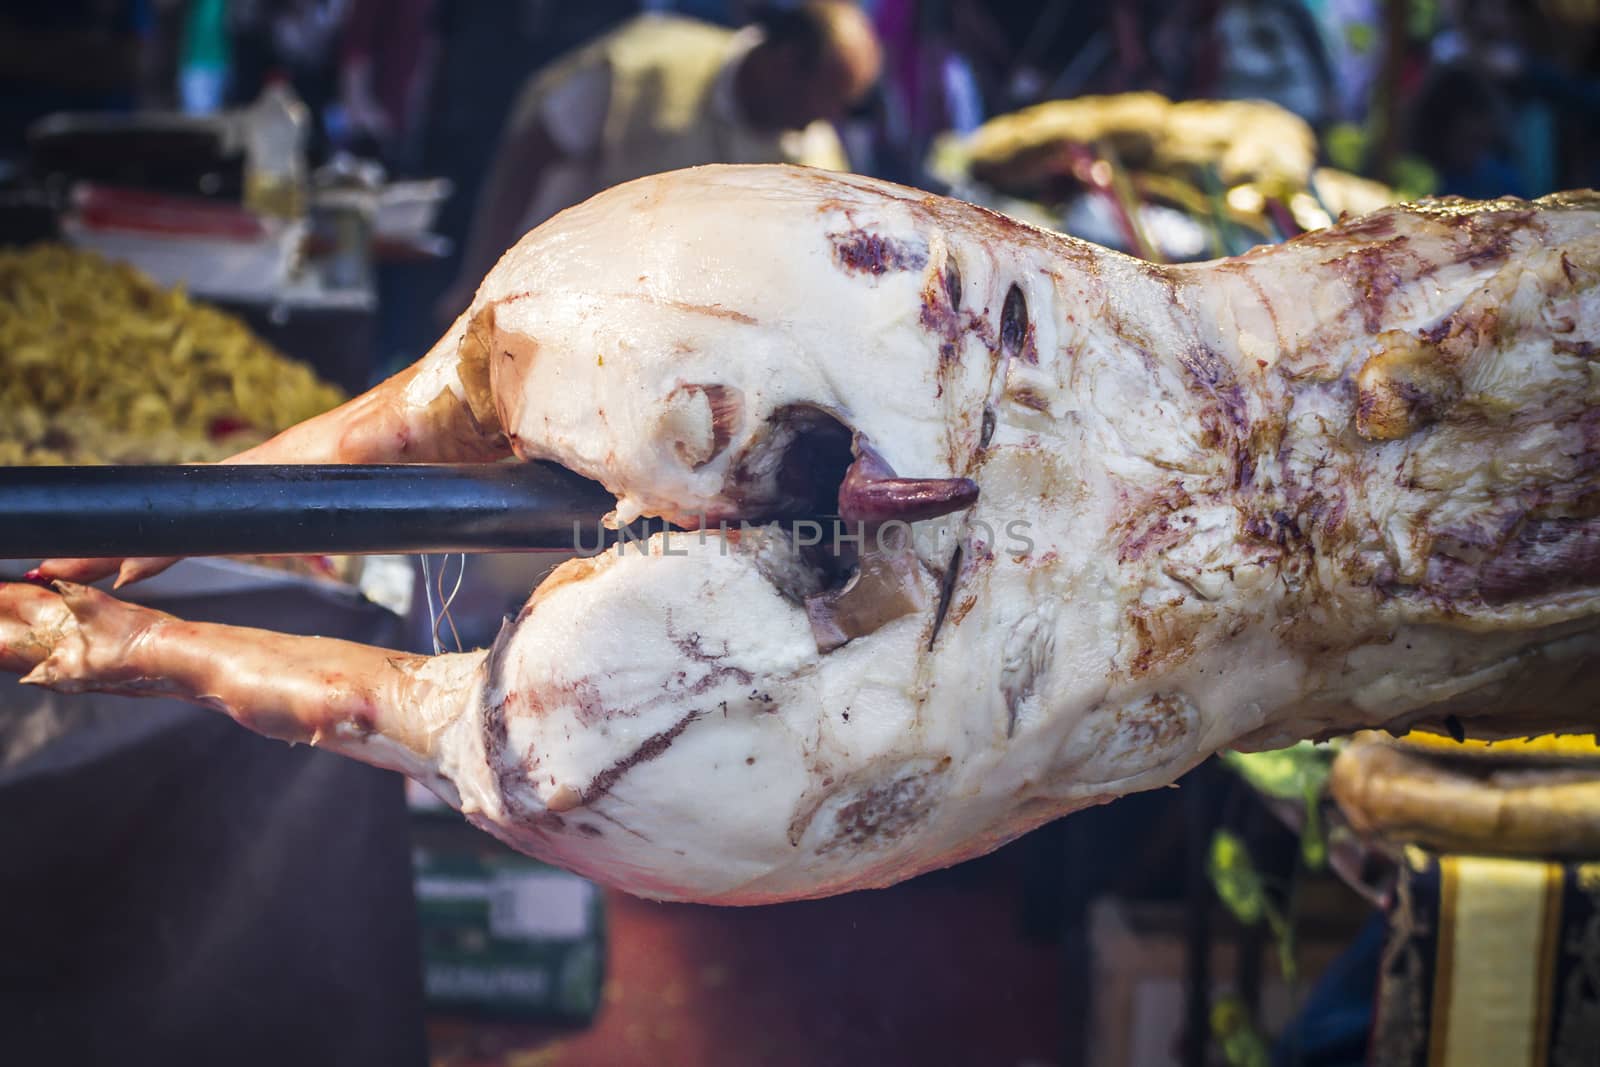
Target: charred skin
<point>1348,481</point>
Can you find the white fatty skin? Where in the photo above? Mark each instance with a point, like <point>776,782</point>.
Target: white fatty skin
<point>665,722</point>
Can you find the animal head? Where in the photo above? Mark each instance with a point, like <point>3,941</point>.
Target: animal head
<point>733,344</point>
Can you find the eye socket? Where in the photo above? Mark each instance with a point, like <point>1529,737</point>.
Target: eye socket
<point>951,278</point>
<point>795,467</point>
<point>986,434</point>
<point>1013,322</point>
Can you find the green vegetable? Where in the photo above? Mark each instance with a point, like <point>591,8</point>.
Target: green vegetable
<point>1241,1043</point>
<point>1236,879</point>
<point>1240,888</point>
<point>1298,773</point>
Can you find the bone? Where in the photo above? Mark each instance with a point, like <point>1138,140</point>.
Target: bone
<point>372,704</point>
<point>30,619</point>
<point>885,587</point>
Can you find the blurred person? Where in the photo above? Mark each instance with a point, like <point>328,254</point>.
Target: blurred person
<point>722,12</point>
<point>1480,51</point>
<point>663,92</point>
<point>386,58</point>
<point>1355,49</point>
<point>478,57</point>
<point>945,63</point>
<point>1565,73</point>
<point>1274,50</point>
<point>485,54</point>
<point>1270,50</point>
<point>1536,92</point>
<point>1460,125</point>
<point>297,38</point>
<point>204,56</point>
<point>1482,33</point>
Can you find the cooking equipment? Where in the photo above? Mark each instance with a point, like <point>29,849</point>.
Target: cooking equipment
<point>298,510</point>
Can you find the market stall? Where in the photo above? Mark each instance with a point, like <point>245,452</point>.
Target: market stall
<point>790,597</point>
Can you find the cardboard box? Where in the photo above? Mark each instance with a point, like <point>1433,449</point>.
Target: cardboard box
<point>503,935</point>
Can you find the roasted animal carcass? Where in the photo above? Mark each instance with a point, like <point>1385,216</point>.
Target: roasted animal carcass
<point>1536,797</point>
<point>1243,140</point>
<point>1137,514</point>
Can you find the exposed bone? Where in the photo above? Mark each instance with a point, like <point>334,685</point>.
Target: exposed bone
<point>885,587</point>
<point>1406,385</point>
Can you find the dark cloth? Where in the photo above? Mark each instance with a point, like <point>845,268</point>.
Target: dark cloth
<point>391,35</point>
<point>177,890</point>
<point>1486,178</point>
<point>25,100</point>
<point>1431,975</point>
<point>1335,1021</point>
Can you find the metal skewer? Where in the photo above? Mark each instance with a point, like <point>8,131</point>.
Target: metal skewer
<point>264,510</point>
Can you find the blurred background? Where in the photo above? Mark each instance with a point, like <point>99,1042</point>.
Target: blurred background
<point>219,217</point>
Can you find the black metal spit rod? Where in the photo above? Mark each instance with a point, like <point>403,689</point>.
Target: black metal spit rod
<point>271,510</point>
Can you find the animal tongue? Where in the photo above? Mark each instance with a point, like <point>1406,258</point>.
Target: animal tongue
<point>885,585</point>
<point>871,493</point>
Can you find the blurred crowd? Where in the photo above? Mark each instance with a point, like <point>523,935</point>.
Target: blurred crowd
<point>528,105</point>
<point>1494,95</point>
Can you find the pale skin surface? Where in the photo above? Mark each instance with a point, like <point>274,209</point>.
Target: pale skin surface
<point>1345,482</point>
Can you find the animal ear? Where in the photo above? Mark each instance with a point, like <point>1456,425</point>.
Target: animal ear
<point>700,420</point>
